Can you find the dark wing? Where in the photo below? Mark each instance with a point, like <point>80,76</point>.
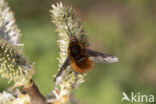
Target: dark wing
<point>64,66</point>
<point>98,57</point>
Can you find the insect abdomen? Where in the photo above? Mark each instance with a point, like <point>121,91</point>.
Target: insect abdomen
<point>87,66</point>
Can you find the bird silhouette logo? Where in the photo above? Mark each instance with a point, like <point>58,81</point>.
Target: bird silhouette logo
<point>125,97</point>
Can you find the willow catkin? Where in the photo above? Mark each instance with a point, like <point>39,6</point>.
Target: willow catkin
<point>8,28</point>
<point>69,79</point>
<point>13,65</point>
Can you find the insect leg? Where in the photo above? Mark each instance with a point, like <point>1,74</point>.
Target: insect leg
<point>64,66</point>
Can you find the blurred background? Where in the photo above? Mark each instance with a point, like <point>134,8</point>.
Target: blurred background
<point>124,28</point>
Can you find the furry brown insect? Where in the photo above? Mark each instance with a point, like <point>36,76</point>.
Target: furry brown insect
<point>79,60</point>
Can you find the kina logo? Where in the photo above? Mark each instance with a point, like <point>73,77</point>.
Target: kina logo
<point>137,97</point>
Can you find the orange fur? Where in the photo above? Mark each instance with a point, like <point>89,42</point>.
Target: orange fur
<point>81,69</point>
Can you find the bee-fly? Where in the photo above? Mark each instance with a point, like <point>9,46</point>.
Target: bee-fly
<point>80,57</point>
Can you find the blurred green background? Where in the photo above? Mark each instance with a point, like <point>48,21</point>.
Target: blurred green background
<point>124,28</point>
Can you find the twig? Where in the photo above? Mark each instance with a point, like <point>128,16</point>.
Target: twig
<point>34,93</point>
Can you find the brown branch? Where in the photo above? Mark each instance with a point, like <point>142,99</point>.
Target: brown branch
<point>34,93</point>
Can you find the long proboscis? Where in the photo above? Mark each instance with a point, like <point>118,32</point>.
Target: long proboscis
<point>66,21</point>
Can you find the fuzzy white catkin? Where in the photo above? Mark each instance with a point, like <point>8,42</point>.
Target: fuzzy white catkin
<point>14,98</point>
<point>59,13</point>
<point>8,28</point>
<point>69,79</point>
